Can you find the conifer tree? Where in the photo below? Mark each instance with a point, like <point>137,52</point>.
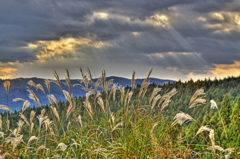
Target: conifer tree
<point>235,121</point>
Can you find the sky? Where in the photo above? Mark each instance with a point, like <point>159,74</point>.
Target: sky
<point>179,39</point>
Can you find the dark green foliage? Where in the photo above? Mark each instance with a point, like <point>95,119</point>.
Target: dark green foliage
<point>225,92</point>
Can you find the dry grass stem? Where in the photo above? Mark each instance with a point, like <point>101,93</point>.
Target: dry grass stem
<point>133,80</point>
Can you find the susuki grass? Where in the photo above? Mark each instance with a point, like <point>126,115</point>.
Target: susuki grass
<point>94,129</point>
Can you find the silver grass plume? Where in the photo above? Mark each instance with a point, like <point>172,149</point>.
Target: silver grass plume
<point>145,88</point>
<point>101,103</point>
<point>213,104</point>
<point>32,115</point>
<point>154,93</point>
<point>130,96</point>
<point>126,97</point>
<point>113,92</point>
<point>31,128</point>
<point>80,120</point>
<point>33,96</point>
<point>24,118</point>
<point>153,138</point>
<point>196,100</point>
<point>26,104</point>
<point>30,139</point>
<point>61,146</point>
<point>4,107</point>
<point>18,99</point>
<point>39,86</point>
<point>31,83</point>
<point>166,98</point>
<point>90,75</point>
<point>47,123</point>
<point>68,97</point>
<point>122,91</point>
<point>58,79</point>
<point>47,83</point>
<point>211,135</point>
<point>6,85</point>
<point>53,98</point>
<point>55,112</point>
<point>155,101</point>
<point>20,124</point>
<point>181,117</point>
<point>41,118</point>
<point>67,78</point>
<point>15,141</point>
<point>144,85</point>
<point>69,110</point>
<point>8,124</point>
<point>81,71</point>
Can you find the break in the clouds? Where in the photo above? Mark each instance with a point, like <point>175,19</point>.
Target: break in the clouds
<point>178,39</point>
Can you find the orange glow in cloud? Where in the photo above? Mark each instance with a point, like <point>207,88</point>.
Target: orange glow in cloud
<point>61,48</point>
<point>220,71</point>
<point>7,70</point>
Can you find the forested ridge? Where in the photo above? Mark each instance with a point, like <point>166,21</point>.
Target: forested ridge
<point>129,103</point>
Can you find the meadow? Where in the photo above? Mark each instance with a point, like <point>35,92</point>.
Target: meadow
<point>131,122</point>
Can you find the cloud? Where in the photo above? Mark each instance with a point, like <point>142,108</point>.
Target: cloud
<point>184,36</point>
<point>8,69</point>
<point>63,48</point>
<point>219,71</point>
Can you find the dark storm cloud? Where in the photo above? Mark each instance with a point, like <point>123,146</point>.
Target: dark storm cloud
<point>129,30</point>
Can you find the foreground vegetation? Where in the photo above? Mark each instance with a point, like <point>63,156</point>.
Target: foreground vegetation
<point>177,120</point>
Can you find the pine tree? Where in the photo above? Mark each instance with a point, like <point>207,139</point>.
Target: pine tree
<point>235,121</point>
<point>224,120</point>
<point>225,110</point>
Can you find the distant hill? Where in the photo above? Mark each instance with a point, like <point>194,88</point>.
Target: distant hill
<point>18,89</point>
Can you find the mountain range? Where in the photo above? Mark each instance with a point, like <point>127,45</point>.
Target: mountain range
<point>18,89</point>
